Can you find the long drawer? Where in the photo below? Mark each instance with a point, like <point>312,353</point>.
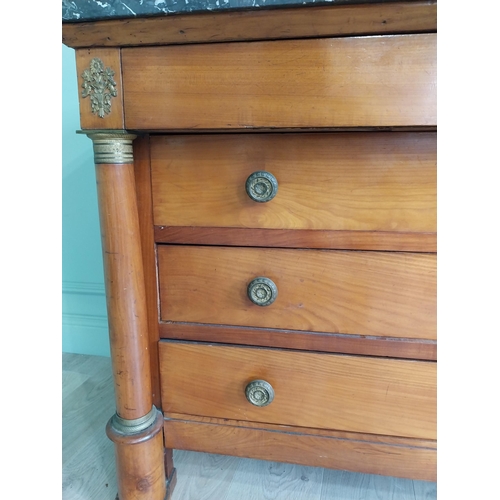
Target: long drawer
<point>364,293</point>
<point>330,181</point>
<point>371,81</point>
<point>325,391</point>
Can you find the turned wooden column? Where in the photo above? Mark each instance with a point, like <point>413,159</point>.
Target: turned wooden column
<point>136,427</point>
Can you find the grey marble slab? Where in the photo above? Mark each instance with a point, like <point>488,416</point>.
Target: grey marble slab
<point>92,10</point>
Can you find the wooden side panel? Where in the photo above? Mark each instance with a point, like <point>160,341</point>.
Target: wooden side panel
<point>364,293</point>
<point>357,181</point>
<point>319,21</point>
<point>303,448</point>
<point>328,391</point>
<point>145,209</point>
<point>334,82</point>
<point>111,59</point>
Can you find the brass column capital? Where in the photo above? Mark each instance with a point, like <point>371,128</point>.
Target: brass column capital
<point>111,146</point>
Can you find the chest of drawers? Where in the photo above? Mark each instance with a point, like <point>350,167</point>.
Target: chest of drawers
<point>268,218</point>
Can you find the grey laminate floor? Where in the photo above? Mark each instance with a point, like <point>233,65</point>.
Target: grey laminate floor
<point>89,470</point>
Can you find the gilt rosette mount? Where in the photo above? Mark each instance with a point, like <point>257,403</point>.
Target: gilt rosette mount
<point>262,291</point>
<point>99,84</point>
<point>259,393</point>
<point>261,186</point>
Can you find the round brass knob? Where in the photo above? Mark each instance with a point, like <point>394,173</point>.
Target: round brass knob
<point>262,291</point>
<point>261,186</point>
<point>259,393</point>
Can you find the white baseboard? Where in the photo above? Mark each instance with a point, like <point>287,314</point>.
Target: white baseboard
<point>84,319</point>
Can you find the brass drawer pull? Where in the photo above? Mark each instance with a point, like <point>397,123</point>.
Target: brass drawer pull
<point>259,393</point>
<point>262,291</point>
<point>261,186</point>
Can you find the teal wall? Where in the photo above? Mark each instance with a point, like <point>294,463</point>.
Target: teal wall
<point>84,322</point>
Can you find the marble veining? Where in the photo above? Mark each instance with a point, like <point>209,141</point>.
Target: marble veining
<point>87,10</point>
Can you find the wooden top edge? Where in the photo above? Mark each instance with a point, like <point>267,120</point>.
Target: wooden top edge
<point>271,130</point>
<point>311,21</point>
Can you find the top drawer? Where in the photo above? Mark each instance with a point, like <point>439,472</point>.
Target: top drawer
<point>369,81</point>
<point>324,181</point>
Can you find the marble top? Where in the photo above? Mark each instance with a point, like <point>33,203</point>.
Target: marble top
<point>92,10</point>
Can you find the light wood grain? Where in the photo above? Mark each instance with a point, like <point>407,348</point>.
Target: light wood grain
<point>341,485</point>
<point>205,476</point>
<point>377,458</point>
<point>398,17</point>
<point>340,82</point>
<point>357,181</point>
<point>257,480</point>
<point>328,391</point>
<point>278,481</point>
<point>111,59</point>
<point>365,293</point>
<point>88,468</point>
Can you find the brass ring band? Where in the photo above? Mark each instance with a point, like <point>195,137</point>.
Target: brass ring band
<point>133,426</point>
<point>113,147</point>
<point>113,151</point>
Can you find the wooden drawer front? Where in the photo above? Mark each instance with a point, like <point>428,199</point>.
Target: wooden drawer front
<point>326,391</point>
<point>332,82</point>
<point>343,181</point>
<point>366,293</point>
